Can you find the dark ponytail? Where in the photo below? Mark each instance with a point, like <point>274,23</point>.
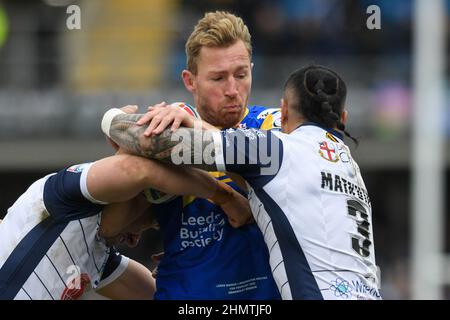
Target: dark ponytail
<point>320,96</point>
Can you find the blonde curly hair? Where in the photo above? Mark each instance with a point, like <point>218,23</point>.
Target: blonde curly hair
<point>216,29</point>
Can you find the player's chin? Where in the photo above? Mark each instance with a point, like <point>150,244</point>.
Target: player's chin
<point>230,119</point>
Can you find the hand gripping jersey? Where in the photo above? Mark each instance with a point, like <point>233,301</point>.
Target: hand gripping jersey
<point>206,258</point>
<point>157,196</point>
<point>49,244</point>
<point>310,202</point>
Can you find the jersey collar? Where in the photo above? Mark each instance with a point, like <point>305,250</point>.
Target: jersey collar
<point>331,131</point>
<point>245,114</point>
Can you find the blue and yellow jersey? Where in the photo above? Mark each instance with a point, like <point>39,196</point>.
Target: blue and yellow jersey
<point>206,258</point>
<point>263,118</point>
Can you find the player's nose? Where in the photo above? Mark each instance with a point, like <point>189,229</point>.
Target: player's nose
<point>231,89</point>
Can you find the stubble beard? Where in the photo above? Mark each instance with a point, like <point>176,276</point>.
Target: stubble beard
<point>220,120</point>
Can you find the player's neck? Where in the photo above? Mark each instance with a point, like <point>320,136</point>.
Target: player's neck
<point>292,123</point>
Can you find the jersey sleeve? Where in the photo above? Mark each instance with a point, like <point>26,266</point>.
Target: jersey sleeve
<point>115,266</point>
<point>66,195</point>
<point>254,154</point>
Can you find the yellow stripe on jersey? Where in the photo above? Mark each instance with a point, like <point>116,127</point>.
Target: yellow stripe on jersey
<point>245,114</point>
<point>187,200</point>
<point>216,174</point>
<point>331,137</point>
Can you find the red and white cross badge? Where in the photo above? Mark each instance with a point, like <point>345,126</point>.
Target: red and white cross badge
<point>328,153</point>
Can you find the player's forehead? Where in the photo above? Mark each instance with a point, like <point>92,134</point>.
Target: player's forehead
<point>223,59</point>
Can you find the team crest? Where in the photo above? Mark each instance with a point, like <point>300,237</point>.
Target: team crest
<point>327,152</point>
<point>266,112</point>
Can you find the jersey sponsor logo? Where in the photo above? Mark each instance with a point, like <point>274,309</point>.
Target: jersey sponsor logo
<point>76,287</point>
<point>341,288</point>
<point>351,166</point>
<point>343,153</point>
<point>363,290</point>
<point>328,152</point>
<point>201,231</point>
<point>76,168</point>
<point>345,289</point>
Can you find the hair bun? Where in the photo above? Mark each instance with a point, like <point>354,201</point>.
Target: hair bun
<point>326,107</point>
<point>331,84</point>
<point>320,82</point>
<point>319,86</point>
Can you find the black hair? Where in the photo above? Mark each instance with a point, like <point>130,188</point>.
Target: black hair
<point>320,96</point>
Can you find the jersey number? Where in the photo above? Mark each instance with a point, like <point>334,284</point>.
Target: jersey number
<point>357,212</point>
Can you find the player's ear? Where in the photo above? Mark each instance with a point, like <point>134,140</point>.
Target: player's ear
<point>284,112</point>
<point>344,116</point>
<point>188,80</point>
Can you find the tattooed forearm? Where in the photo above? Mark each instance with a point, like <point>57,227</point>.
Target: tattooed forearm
<point>130,137</point>
<point>196,148</point>
<point>125,132</point>
<point>185,146</point>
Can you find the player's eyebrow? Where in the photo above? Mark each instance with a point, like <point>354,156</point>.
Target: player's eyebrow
<point>217,72</point>
<point>244,67</point>
<point>220,72</point>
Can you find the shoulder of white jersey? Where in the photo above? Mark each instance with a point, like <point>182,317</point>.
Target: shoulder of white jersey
<point>187,107</point>
<point>262,118</point>
<point>66,195</point>
<point>82,169</point>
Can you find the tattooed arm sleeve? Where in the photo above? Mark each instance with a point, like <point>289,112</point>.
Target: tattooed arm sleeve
<point>189,146</point>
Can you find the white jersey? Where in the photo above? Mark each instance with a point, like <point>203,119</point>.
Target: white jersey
<point>310,202</point>
<point>49,243</point>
